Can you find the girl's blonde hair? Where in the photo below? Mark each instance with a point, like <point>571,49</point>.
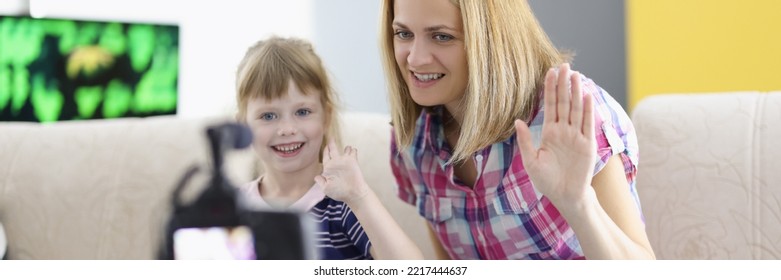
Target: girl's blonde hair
<point>267,69</point>
<point>508,55</point>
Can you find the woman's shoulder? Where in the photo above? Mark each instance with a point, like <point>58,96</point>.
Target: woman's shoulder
<point>602,99</point>
<point>605,105</point>
<point>614,128</point>
<point>425,132</point>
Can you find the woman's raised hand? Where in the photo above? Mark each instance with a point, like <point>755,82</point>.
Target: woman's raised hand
<point>562,166</point>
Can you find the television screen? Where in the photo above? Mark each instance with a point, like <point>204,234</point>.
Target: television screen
<point>63,69</point>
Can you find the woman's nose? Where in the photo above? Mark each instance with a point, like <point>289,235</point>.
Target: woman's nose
<point>419,55</point>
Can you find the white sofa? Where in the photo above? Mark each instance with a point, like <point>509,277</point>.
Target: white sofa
<point>709,177</point>
<point>101,189</point>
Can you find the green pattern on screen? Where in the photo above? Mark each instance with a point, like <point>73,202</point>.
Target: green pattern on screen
<point>59,69</point>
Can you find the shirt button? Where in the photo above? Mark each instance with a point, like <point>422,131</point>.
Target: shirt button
<point>524,205</point>
<point>479,157</point>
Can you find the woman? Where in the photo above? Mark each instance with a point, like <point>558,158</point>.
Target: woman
<point>460,73</point>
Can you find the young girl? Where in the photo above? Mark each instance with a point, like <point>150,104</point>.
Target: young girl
<point>286,99</point>
<point>461,73</point>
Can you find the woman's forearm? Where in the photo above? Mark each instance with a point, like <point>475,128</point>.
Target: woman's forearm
<point>388,240</point>
<point>599,236</point>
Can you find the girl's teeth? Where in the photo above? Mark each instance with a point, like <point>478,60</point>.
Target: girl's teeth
<point>288,148</point>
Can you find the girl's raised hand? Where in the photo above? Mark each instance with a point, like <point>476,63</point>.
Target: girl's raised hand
<point>341,178</point>
<point>562,166</point>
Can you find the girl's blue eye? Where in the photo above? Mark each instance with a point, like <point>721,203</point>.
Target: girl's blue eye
<point>268,116</point>
<point>303,112</point>
<point>403,34</point>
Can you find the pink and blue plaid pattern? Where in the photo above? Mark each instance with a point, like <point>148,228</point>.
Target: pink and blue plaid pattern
<point>503,216</point>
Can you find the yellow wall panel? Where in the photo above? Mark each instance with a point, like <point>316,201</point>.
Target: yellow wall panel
<point>702,46</point>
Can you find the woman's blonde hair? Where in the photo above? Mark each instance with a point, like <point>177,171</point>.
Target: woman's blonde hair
<point>508,55</point>
<point>267,69</point>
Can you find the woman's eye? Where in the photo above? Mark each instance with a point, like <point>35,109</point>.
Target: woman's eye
<point>268,116</point>
<point>443,37</point>
<point>403,34</point>
<point>303,112</point>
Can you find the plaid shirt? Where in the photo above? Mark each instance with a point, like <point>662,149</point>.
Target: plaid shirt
<point>503,216</point>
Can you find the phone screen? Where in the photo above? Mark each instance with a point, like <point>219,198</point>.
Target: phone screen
<point>214,243</point>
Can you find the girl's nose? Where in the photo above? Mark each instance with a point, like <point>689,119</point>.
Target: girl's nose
<point>287,131</point>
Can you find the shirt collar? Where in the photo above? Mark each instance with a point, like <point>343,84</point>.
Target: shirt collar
<point>430,125</point>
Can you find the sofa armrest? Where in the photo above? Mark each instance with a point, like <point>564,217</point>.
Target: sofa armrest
<point>708,177</point>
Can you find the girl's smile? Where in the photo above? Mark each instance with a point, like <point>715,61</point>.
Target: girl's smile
<point>288,130</point>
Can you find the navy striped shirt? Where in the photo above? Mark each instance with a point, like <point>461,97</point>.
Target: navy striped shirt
<point>338,233</point>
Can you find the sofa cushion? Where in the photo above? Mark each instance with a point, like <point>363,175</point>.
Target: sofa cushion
<point>97,189</point>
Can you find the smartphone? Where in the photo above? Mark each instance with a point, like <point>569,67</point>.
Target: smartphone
<point>250,235</point>
<point>281,235</point>
<point>214,243</point>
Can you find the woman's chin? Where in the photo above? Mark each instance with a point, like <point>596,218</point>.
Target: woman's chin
<point>425,101</point>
